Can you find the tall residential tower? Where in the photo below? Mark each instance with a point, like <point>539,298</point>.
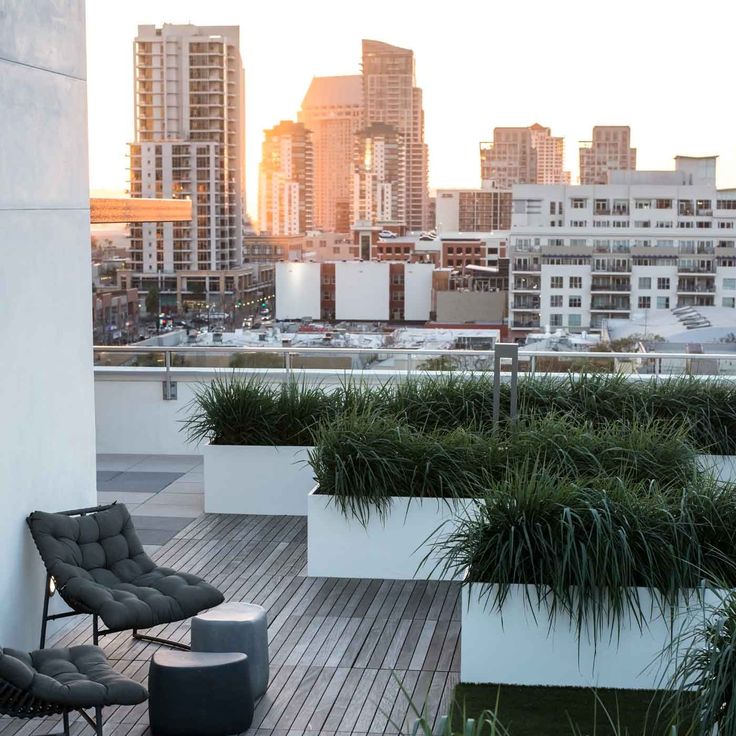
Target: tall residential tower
<point>285,188</point>
<point>189,142</point>
<point>610,150</point>
<point>390,96</point>
<point>523,156</point>
<point>332,110</point>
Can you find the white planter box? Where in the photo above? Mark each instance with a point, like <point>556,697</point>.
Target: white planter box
<point>514,648</point>
<point>255,479</point>
<point>723,466</point>
<point>391,548</point>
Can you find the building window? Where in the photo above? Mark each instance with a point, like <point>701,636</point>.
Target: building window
<point>555,282</point>
<point>555,320</point>
<point>663,302</point>
<point>577,204</point>
<point>663,284</point>
<point>576,282</point>
<point>725,225</point>
<point>663,204</point>
<point>575,302</point>
<point>728,301</point>
<point>643,204</point>
<point>574,320</point>
<point>729,284</point>
<point>645,302</point>
<point>645,282</point>
<point>555,300</point>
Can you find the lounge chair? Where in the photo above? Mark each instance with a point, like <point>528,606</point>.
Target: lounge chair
<point>95,560</point>
<point>52,682</point>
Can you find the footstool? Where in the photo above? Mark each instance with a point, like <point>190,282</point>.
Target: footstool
<point>199,694</point>
<point>236,627</point>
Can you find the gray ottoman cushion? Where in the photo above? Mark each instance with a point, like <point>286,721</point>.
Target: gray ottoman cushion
<point>236,627</point>
<point>199,694</point>
<point>78,677</point>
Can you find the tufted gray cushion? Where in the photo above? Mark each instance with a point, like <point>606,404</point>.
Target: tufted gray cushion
<point>100,567</point>
<point>79,677</point>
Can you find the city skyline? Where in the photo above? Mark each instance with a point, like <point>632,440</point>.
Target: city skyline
<point>469,78</point>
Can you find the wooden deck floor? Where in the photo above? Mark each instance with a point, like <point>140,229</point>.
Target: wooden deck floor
<point>334,643</point>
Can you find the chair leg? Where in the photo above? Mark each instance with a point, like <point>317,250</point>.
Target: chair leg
<point>65,716</point>
<point>95,630</point>
<point>44,619</point>
<point>98,720</point>
<point>158,640</point>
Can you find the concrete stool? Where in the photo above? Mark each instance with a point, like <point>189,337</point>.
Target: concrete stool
<point>199,694</point>
<point>236,627</point>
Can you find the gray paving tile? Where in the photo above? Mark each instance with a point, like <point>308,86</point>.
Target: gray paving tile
<point>107,474</point>
<point>161,523</point>
<point>118,462</point>
<point>169,463</point>
<point>155,537</point>
<point>151,509</point>
<point>170,498</point>
<point>183,486</point>
<point>126,497</point>
<point>138,482</point>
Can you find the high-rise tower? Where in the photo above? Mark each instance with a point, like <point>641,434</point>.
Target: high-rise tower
<point>610,150</point>
<point>285,187</point>
<point>332,110</point>
<point>189,142</point>
<point>390,96</point>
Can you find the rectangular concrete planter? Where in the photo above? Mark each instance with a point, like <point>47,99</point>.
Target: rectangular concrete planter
<point>391,548</point>
<point>256,479</point>
<point>723,466</point>
<point>517,646</point>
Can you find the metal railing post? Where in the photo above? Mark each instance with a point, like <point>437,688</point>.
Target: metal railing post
<point>287,363</point>
<point>508,351</point>
<point>169,386</point>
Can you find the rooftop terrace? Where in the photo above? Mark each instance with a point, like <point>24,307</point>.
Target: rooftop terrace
<point>334,642</point>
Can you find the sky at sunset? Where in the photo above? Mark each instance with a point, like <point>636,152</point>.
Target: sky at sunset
<point>664,68</point>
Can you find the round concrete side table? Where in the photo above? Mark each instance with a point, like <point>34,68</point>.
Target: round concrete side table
<point>236,627</point>
<point>199,694</point>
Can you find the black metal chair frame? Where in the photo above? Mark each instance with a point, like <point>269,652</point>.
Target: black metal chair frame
<point>19,703</point>
<point>97,632</point>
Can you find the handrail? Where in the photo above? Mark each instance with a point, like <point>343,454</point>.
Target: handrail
<point>291,351</point>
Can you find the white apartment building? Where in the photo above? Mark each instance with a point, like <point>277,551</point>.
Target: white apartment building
<point>189,142</point>
<point>354,290</point>
<point>472,210</point>
<point>647,241</point>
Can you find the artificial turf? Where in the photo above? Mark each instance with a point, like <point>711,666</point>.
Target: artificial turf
<point>552,711</point>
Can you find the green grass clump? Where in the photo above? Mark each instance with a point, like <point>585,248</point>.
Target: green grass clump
<point>364,460</point>
<point>585,545</point>
<point>707,407</point>
<point>253,410</point>
<point>705,679</point>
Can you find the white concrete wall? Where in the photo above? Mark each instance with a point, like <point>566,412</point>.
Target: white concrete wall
<point>418,291</point>
<point>362,290</point>
<point>297,290</point>
<point>46,395</point>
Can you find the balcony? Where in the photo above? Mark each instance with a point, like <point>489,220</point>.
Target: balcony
<point>695,287</point>
<point>610,305</point>
<point>610,287</point>
<point>523,304</point>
